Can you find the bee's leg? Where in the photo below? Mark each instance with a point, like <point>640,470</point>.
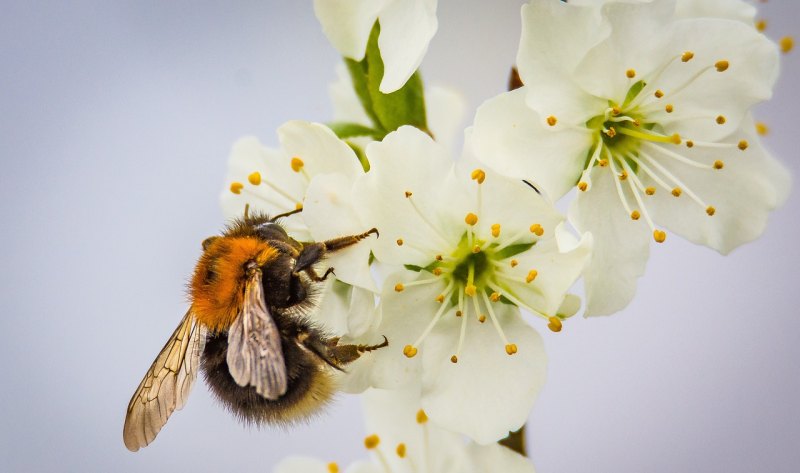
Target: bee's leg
<point>334,354</point>
<point>313,252</point>
<point>343,242</point>
<point>316,277</point>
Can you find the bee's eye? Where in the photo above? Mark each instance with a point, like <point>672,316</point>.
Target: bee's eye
<point>207,242</point>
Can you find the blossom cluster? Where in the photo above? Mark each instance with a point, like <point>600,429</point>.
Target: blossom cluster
<point>638,112</point>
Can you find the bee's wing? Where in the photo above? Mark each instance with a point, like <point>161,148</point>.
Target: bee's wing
<point>166,385</point>
<point>255,355</point>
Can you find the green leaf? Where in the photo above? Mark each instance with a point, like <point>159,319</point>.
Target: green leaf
<point>346,130</point>
<point>360,154</point>
<point>513,250</point>
<point>358,75</point>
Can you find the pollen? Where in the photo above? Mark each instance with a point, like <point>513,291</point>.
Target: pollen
<point>333,467</point>
<point>583,186</point>
<point>408,194</point>
<point>514,263</point>
<point>297,164</point>
<point>531,275</point>
<point>422,417</point>
<point>495,296</point>
<point>476,249</point>
<point>372,441</point>
<point>650,191</point>
<point>616,111</point>
<point>298,206</point>
<point>659,93</point>
<point>496,230</point>
<point>689,144</point>
<point>440,298</point>
<point>786,43</point>
<point>478,175</point>
<point>399,242</point>
<point>611,132</point>
<point>630,73</point>
<point>762,128</point>
<point>401,450</point>
<point>254,178</point>
<point>635,215</point>
<point>482,318</point>
<point>537,229</point>
<point>603,163</point>
<point>677,192</point>
<point>409,351</point>
<point>710,210</point>
<point>721,120</point>
<point>659,236</point>
<point>453,359</point>
<point>399,287</point>
<point>437,271</point>
<point>554,324</point>
<point>669,108</point>
<point>676,138</point>
<point>459,313</point>
<point>551,120</point>
<point>511,348</point>
<point>470,290</point>
<point>743,145</point>
<point>761,25</point>
<point>236,187</point>
<point>623,175</point>
<point>687,56</point>
<point>718,164</point>
<point>471,219</point>
<point>722,65</point>
<point>439,257</point>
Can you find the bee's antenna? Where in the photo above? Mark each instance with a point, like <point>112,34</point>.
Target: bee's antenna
<point>246,212</point>
<point>286,214</point>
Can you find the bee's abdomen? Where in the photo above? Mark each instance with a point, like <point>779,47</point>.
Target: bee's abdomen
<point>309,387</point>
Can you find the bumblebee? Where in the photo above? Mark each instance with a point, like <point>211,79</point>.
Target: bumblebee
<point>247,331</point>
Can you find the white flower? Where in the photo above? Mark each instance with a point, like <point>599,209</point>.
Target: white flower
<point>405,441</point>
<point>647,113</point>
<point>475,247</point>
<point>407,27</point>
<point>275,181</point>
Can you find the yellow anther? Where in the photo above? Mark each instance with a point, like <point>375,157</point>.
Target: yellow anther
<point>611,132</point>
<point>470,290</point>
<point>409,351</point>
<point>254,178</point>
<point>399,287</point>
<point>677,192</point>
<point>422,417</point>
<point>650,191</point>
<point>554,324</point>
<point>478,175</point>
<point>531,275</point>
<point>603,162</point>
<point>401,450</point>
<point>440,298</point>
<point>623,175</point>
<point>514,263</point>
<point>408,194</point>
<point>710,210</point>
<point>689,143</point>
<point>333,467</point>
<point>669,108</point>
<point>453,359</point>
<point>616,111</point>
<point>761,25</point>
<point>537,229</point>
<point>551,120</point>
<point>511,348</point>
<point>659,93</point>
<point>495,296</point>
<point>482,318</point>
<point>236,187</point>
<point>437,271</point>
<point>439,257</point>
<point>630,73</point>
<point>496,230</point>
<point>786,43</point>
<point>583,186</point>
<point>399,242</point>
<point>722,66</point>
<point>297,164</point>
<point>687,56</point>
<point>718,164</point>
<point>721,120</point>
<point>659,236</point>
<point>743,145</point>
<point>471,219</point>
<point>476,249</point>
<point>459,313</point>
<point>298,206</point>
<point>372,441</point>
<point>676,138</point>
<point>635,215</point>
<point>762,128</point>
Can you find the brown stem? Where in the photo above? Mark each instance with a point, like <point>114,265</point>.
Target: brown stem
<point>515,441</point>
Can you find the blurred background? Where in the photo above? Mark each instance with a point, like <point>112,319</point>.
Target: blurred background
<point>117,119</point>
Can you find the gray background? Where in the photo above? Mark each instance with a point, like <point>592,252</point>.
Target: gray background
<point>116,122</point>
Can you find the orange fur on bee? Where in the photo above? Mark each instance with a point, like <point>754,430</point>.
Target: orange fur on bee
<point>218,283</point>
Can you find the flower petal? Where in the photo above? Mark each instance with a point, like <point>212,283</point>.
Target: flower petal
<point>406,30</point>
<point>494,458</point>
<point>487,393</point>
<point>347,23</point>
<point>446,109</point>
<point>346,106</point>
<point>320,150</point>
<point>730,9</point>
<point>511,138</point>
